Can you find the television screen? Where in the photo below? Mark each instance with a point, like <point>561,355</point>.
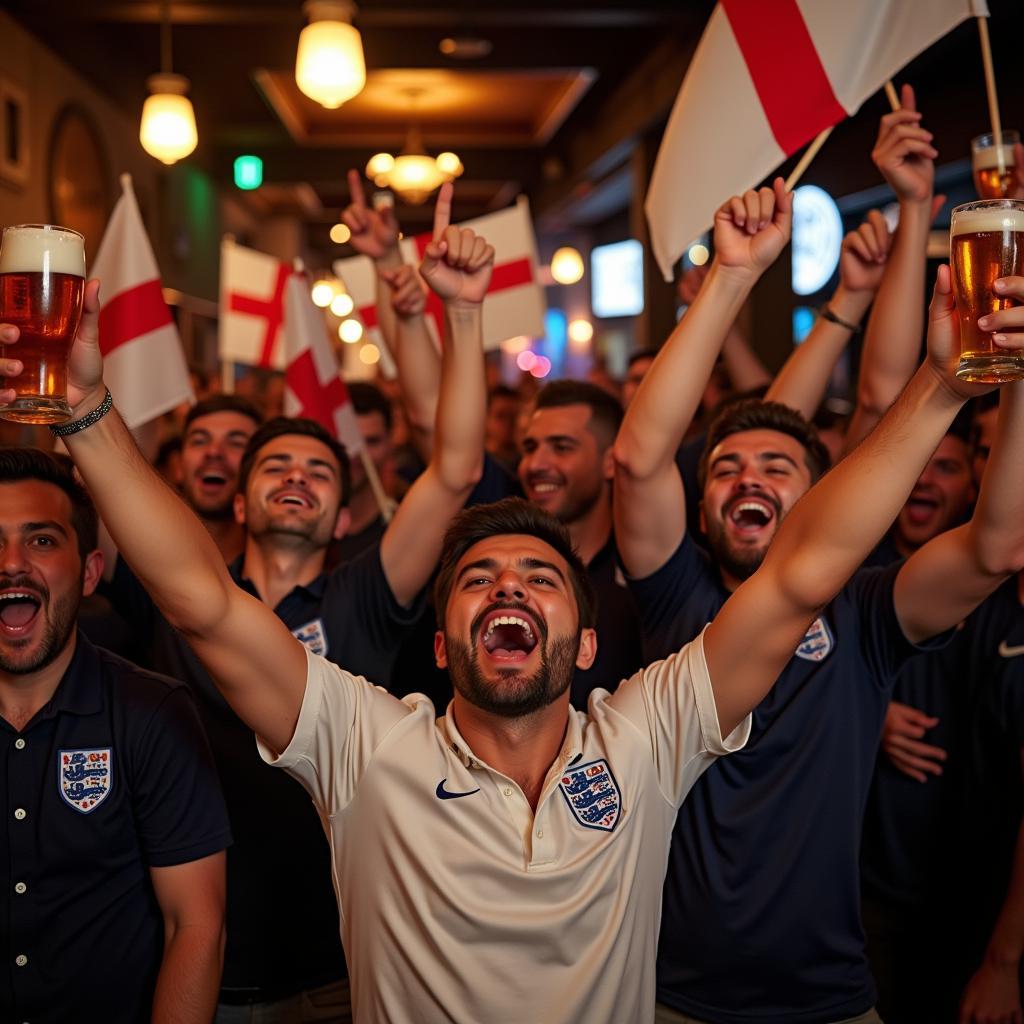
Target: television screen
<point>617,279</point>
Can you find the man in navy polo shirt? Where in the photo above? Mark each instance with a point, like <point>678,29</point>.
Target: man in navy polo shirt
<point>761,917</point>
<point>112,859</point>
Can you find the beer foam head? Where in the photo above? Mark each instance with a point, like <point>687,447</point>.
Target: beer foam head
<point>987,218</point>
<point>32,248</point>
<point>989,157</point>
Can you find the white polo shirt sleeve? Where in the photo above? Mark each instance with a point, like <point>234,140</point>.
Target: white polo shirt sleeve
<point>342,721</point>
<point>672,702</point>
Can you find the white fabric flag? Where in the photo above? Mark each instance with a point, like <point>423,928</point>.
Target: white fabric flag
<point>313,386</point>
<point>143,362</point>
<point>515,300</point>
<point>765,79</point>
<point>252,287</point>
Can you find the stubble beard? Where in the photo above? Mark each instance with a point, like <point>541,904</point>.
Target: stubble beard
<point>57,631</point>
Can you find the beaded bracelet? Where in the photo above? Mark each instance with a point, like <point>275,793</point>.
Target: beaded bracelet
<point>101,410</point>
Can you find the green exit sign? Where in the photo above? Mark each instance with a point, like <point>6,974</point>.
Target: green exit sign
<point>248,172</point>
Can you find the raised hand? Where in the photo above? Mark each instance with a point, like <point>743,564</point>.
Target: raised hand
<point>992,996</point>
<point>864,254</point>
<point>904,153</point>
<point>751,230</point>
<point>902,742</point>
<point>85,364</point>
<point>457,263</point>
<point>408,298</point>
<point>374,232</point>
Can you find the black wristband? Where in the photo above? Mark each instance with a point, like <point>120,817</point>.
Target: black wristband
<point>827,314</point>
<point>74,426</point>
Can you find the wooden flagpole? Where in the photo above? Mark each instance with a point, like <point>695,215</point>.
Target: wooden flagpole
<point>383,502</point>
<point>990,89</point>
<point>891,95</point>
<point>805,161</point>
<point>227,368</point>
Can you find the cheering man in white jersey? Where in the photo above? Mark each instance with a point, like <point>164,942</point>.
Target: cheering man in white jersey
<point>504,862</point>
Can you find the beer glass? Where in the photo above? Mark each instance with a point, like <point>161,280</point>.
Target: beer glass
<point>986,242</point>
<point>42,281</point>
<point>988,182</point>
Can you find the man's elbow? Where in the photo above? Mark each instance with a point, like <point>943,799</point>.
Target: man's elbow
<point>998,556</point>
<point>634,459</point>
<point>460,475</point>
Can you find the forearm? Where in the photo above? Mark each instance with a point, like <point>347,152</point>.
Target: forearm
<point>832,529</point>
<point>996,529</point>
<point>745,369</point>
<point>458,450</point>
<point>892,341</point>
<point>419,377</point>
<point>670,394</point>
<point>165,544</point>
<point>387,319</point>
<point>189,978</point>
<point>803,380</point>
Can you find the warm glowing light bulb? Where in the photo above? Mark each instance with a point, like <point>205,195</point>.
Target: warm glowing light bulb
<point>329,64</point>
<point>698,254</point>
<point>350,331</point>
<point>342,305</point>
<point>322,292</point>
<point>567,265</point>
<point>580,331</point>
<point>168,128</point>
<point>340,234</point>
<point>449,163</point>
<point>369,354</point>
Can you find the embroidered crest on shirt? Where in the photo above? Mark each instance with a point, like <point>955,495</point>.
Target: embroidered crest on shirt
<point>593,795</point>
<point>817,643</point>
<point>84,777</point>
<point>312,634</point>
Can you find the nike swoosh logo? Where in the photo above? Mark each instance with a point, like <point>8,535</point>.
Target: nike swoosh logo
<point>444,794</point>
<point>1005,651</point>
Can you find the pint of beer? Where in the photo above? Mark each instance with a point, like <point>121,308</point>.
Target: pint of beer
<point>988,182</point>
<point>42,280</point>
<point>986,242</point>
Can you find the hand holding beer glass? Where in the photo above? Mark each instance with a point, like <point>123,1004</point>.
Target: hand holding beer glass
<point>42,281</point>
<point>988,181</point>
<point>986,243</point>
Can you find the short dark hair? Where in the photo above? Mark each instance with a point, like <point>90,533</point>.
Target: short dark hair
<point>641,353</point>
<point>503,391</point>
<point>756,414</point>
<point>511,515</point>
<point>280,426</point>
<point>222,403</point>
<point>367,398</point>
<point>605,409</point>
<point>34,464</point>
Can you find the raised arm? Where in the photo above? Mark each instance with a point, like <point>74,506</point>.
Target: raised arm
<point>419,362</point>
<point>905,156</point>
<point>457,265</point>
<point>803,380</point>
<point>650,507</point>
<point>259,666</point>
<point>949,576</point>
<point>832,528</point>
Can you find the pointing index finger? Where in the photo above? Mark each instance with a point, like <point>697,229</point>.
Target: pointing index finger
<point>443,211</point>
<point>355,187</point>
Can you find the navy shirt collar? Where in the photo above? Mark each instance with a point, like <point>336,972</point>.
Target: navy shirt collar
<point>78,692</point>
<point>315,588</point>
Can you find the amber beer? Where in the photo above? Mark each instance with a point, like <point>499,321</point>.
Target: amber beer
<point>986,242</point>
<point>988,181</point>
<point>42,280</point>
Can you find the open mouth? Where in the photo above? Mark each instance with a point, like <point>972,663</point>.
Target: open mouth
<point>18,610</point>
<point>508,637</point>
<point>293,499</point>
<point>539,487</point>
<point>921,509</point>
<point>751,515</point>
<point>213,479</point>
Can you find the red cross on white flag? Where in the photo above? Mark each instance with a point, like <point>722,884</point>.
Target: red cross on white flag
<point>252,287</point>
<point>313,387</point>
<point>515,300</point>
<point>764,80</point>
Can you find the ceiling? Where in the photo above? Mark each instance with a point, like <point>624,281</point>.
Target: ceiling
<point>558,108</point>
<point>513,116</point>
